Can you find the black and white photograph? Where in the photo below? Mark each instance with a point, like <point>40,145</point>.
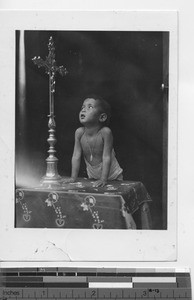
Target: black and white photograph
<point>91,129</point>
<point>90,116</point>
<point>96,149</point>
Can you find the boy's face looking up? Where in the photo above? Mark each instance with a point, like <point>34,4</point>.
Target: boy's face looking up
<point>91,112</point>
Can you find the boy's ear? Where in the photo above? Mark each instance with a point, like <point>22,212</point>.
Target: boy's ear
<point>103,117</point>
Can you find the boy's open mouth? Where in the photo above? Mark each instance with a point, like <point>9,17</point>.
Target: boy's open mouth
<point>82,116</point>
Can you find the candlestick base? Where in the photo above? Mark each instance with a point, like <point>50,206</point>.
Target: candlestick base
<point>52,178</point>
<point>50,183</point>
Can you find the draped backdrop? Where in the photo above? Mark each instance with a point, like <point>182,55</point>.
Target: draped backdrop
<point>127,69</point>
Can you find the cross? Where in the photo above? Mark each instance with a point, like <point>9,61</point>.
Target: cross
<point>51,69</point>
<point>52,178</point>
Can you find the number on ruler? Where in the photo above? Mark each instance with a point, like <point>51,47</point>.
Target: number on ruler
<point>144,293</point>
<point>93,294</point>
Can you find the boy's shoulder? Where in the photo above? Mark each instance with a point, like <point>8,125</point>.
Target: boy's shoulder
<point>106,130</point>
<point>79,132</point>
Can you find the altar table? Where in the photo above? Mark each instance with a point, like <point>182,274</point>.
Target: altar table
<point>81,205</point>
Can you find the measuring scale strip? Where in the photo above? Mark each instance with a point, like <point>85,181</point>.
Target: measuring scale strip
<point>100,293</point>
<point>100,283</point>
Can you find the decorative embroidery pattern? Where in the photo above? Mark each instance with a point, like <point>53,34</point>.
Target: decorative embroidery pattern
<point>88,205</point>
<point>20,199</point>
<point>52,201</point>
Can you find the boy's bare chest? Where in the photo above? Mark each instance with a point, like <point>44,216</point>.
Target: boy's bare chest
<point>92,144</point>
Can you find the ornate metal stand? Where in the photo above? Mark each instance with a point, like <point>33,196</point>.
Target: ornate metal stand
<point>52,178</point>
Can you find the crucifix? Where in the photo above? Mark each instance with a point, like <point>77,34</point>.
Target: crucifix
<point>52,178</point>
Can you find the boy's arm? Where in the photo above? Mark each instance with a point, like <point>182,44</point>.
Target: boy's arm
<point>76,158</point>
<point>106,158</point>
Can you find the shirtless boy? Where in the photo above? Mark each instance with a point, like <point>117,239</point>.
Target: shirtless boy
<point>95,140</point>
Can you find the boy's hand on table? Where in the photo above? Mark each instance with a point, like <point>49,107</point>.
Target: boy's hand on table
<point>69,180</point>
<point>99,183</point>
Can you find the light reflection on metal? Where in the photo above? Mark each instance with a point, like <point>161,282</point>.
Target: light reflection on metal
<point>52,178</point>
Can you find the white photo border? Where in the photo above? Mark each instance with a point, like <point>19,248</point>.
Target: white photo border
<point>77,245</point>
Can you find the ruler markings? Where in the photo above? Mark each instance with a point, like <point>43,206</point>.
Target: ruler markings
<point>181,292</point>
<point>76,283</point>
<point>103,295</point>
<point>107,298</point>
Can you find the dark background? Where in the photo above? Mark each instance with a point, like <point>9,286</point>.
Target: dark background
<point>127,70</point>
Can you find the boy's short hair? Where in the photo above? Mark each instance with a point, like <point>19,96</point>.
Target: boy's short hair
<point>104,105</point>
